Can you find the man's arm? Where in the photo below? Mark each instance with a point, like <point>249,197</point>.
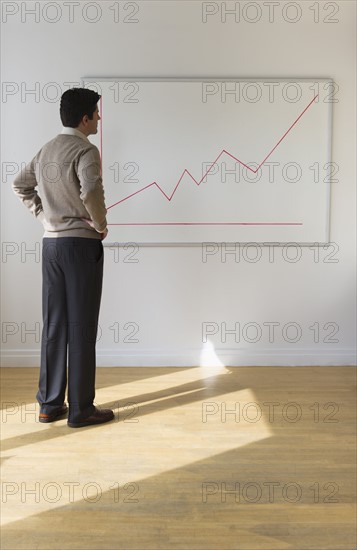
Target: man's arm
<point>92,192</point>
<point>24,187</point>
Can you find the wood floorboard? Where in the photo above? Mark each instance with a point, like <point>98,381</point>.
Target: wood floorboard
<point>231,458</point>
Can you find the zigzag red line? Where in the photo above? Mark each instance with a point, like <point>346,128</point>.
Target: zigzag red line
<point>213,163</point>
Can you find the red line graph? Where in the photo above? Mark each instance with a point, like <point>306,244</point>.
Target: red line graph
<point>186,171</point>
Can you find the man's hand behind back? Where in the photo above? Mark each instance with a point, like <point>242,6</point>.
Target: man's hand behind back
<point>103,234</point>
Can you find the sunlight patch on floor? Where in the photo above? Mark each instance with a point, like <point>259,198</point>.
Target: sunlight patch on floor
<point>73,465</point>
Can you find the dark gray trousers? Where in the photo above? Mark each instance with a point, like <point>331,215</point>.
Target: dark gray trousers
<point>72,274</point>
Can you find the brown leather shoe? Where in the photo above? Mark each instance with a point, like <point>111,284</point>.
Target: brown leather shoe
<point>55,415</point>
<point>99,416</point>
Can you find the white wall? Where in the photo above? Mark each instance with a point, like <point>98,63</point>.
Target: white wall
<point>169,293</point>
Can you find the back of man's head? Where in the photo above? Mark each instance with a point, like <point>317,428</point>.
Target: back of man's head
<point>75,103</point>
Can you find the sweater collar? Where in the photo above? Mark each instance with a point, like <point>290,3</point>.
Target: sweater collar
<point>74,132</point>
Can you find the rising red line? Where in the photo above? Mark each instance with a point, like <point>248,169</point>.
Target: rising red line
<point>213,163</point>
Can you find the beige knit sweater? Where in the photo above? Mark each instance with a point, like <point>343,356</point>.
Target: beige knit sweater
<point>67,174</point>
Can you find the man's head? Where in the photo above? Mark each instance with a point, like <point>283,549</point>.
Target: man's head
<point>79,110</point>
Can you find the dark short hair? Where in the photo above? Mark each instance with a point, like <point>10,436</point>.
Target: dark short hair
<point>76,103</point>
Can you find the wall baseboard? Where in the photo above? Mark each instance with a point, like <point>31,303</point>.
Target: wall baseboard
<point>198,357</point>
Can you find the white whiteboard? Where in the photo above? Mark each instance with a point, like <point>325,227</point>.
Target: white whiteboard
<point>202,160</point>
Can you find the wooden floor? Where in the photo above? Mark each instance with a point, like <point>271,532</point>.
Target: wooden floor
<point>217,458</point>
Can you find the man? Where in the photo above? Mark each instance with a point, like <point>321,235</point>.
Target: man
<point>70,205</point>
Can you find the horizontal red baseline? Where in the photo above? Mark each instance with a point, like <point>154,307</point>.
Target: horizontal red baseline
<point>211,223</point>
